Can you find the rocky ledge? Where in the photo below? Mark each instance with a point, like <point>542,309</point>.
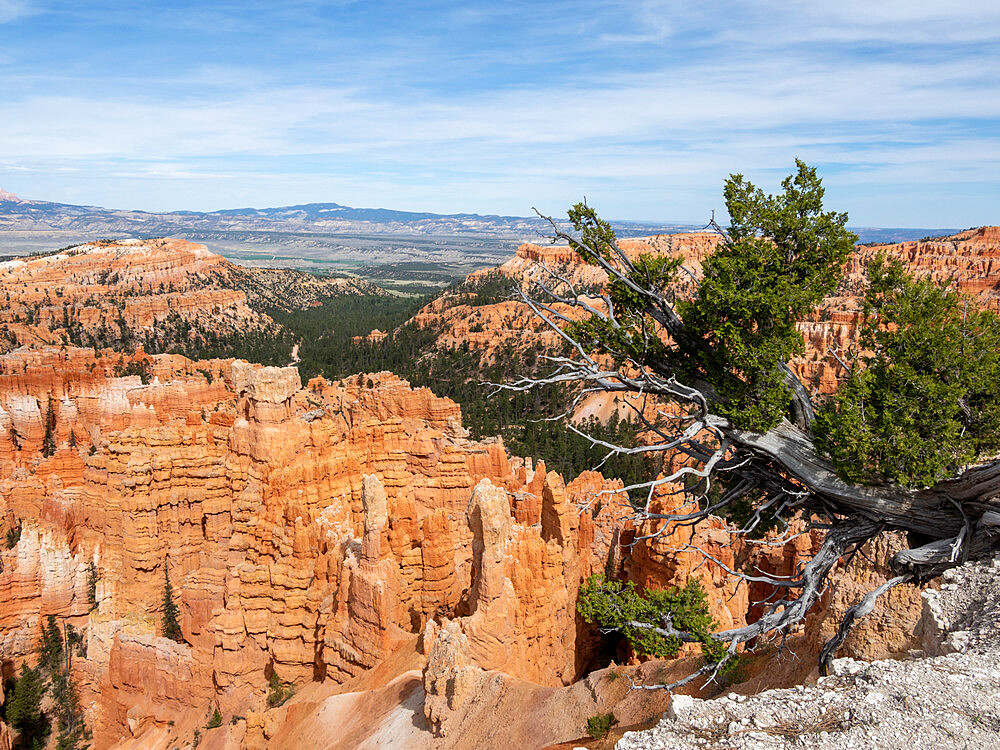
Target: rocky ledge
<point>945,698</point>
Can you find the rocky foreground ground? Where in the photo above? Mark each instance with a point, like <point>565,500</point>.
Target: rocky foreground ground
<point>946,699</point>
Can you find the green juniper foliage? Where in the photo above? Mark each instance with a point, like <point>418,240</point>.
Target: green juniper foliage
<point>784,254</point>
<point>924,399</point>
<point>617,605</point>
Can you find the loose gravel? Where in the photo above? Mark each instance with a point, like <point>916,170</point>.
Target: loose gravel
<point>949,698</point>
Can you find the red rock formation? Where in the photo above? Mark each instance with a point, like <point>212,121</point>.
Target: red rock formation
<point>314,532</point>
<point>283,554</point>
<point>970,259</point>
<point>135,284</point>
<point>487,327</point>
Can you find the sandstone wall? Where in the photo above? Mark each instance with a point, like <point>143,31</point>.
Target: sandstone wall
<point>970,260</point>
<point>306,531</point>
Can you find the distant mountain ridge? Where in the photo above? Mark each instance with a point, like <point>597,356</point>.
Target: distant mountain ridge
<point>17,214</point>
<point>322,218</point>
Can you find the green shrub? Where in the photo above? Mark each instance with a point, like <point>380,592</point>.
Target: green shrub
<point>616,605</point>
<point>276,691</point>
<point>599,725</point>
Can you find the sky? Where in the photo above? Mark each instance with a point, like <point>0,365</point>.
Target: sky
<point>642,106</point>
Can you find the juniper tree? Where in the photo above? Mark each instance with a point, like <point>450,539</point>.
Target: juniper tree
<point>907,444</point>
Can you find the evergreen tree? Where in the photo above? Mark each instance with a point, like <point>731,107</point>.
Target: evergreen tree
<point>92,585</point>
<point>50,646</point>
<point>24,709</point>
<point>170,624</point>
<point>49,439</point>
<point>54,663</point>
<point>69,717</point>
<point>215,721</point>
<point>908,444</point>
<point>924,397</point>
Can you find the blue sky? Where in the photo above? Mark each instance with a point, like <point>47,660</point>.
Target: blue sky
<point>495,107</point>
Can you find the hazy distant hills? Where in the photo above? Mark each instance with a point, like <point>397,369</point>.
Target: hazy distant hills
<point>319,236</point>
<point>320,218</point>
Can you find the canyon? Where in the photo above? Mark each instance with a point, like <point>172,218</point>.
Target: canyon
<point>348,539</point>
<point>969,261</point>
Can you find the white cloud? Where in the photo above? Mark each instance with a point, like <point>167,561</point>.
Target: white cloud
<point>11,10</point>
<point>703,104</point>
<point>766,84</point>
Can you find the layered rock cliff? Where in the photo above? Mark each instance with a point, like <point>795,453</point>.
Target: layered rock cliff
<point>309,532</point>
<point>969,260</point>
<point>163,294</point>
<point>344,537</point>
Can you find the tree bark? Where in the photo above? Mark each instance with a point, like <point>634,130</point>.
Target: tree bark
<point>949,515</point>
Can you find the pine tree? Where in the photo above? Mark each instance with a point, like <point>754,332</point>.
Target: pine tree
<point>24,709</point>
<point>92,585</point>
<point>49,440</point>
<point>50,647</point>
<point>171,625</point>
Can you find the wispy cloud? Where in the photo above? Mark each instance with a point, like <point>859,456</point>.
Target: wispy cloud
<point>643,106</point>
<point>11,10</point>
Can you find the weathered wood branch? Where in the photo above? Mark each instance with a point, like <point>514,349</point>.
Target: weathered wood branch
<point>948,523</point>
